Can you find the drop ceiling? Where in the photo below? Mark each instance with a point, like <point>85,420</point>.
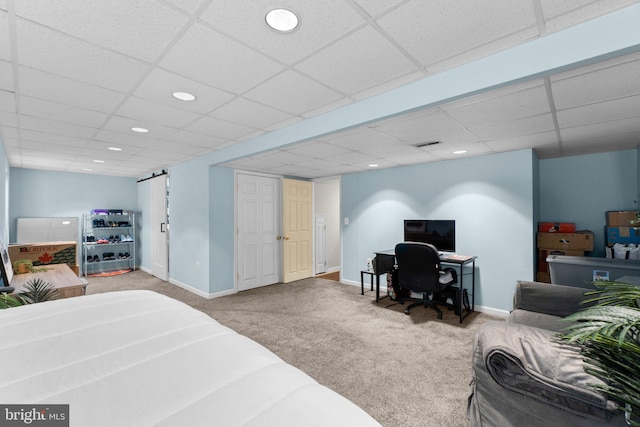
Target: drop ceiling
<point>76,76</point>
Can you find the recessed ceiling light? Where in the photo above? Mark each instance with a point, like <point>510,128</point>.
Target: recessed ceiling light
<point>115,149</point>
<point>459,151</point>
<point>139,130</point>
<point>66,222</point>
<point>282,20</point>
<point>373,165</point>
<point>98,161</point>
<point>184,96</point>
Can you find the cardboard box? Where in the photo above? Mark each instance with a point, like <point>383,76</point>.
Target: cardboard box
<point>623,235</point>
<point>45,253</point>
<point>543,266</point>
<point>543,277</point>
<point>621,218</point>
<point>556,227</point>
<point>579,241</point>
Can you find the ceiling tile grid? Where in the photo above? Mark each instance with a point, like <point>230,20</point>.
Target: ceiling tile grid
<point>87,71</point>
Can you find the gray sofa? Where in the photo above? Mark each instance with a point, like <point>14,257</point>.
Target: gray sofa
<point>523,375</point>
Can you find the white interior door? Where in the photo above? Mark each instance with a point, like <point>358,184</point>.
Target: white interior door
<point>258,222</point>
<point>321,245</point>
<point>159,227</point>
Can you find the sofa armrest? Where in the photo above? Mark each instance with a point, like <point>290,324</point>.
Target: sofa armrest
<point>557,300</point>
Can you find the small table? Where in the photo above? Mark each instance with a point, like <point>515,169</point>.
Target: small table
<point>61,276</point>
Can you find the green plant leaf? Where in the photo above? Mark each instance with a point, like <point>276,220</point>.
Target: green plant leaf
<point>38,290</point>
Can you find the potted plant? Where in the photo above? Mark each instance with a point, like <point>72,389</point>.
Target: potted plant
<point>608,335</point>
<point>35,291</point>
<point>22,266</point>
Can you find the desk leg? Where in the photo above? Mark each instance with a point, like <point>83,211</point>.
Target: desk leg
<point>461,295</point>
<point>377,287</point>
<point>361,283</point>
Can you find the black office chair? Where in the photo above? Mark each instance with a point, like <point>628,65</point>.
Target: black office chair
<point>419,271</point>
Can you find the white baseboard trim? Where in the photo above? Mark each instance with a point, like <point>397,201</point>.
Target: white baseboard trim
<point>145,269</point>
<point>479,308</point>
<point>332,269</point>
<point>200,292</point>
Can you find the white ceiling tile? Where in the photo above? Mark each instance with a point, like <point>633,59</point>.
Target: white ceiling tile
<point>523,141</point>
<point>391,84</point>
<point>6,76</point>
<point>152,112</point>
<point>414,158</point>
<point>48,86</point>
<point>60,112</point>
<point>471,150</point>
<point>596,86</point>
<point>8,119</point>
<point>315,148</point>
<point>365,140</point>
<point>190,6</point>
<point>376,7</point>
<point>218,128</point>
<point>160,85</point>
<point>445,28</point>
<point>218,61</point>
<point>5,48</point>
<point>357,62</point>
<point>123,125</point>
<point>488,109</point>
<point>519,127</point>
<point>7,101</point>
<point>197,139</point>
<point>424,126</point>
<point>8,132</point>
<point>51,51</point>
<point>141,29</point>
<point>40,136</point>
<point>56,127</point>
<point>562,14</point>
<point>601,112</point>
<point>293,92</point>
<point>601,130</point>
<point>598,144</point>
<point>249,113</point>
<point>353,157</point>
<point>319,25</point>
<point>283,157</point>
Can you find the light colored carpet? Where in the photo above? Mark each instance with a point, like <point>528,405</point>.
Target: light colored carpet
<point>403,370</point>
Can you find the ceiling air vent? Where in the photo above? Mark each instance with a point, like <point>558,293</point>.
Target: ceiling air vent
<point>426,144</point>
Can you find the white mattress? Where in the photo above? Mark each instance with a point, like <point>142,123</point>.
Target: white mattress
<point>138,358</point>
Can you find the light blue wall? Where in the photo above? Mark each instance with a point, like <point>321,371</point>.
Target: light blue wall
<point>581,189</point>
<point>189,221</point>
<point>490,197</point>
<point>4,192</point>
<point>222,236</point>
<point>38,193</point>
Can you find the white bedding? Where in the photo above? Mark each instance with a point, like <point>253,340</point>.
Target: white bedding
<point>138,358</point>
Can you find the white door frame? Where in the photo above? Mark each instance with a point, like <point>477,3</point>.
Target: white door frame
<point>320,244</point>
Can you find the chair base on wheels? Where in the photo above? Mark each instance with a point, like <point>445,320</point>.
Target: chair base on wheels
<point>425,301</point>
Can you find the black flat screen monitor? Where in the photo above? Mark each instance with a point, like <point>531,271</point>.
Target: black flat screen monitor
<point>440,233</point>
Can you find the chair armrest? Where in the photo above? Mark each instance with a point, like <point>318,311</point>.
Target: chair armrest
<point>557,300</point>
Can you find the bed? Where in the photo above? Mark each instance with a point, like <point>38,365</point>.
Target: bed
<point>138,358</point>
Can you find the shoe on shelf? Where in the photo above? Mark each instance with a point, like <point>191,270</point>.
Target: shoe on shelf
<point>96,258</point>
<point>89,258</point>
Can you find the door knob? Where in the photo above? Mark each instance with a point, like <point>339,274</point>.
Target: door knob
<point>278,237</point>
<point>286,237</point>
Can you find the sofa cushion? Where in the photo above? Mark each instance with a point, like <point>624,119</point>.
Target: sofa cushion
<point>546,298</point>
<point>538,320</point>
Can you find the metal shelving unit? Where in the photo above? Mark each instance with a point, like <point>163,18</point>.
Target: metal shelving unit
<point>108,242</point>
